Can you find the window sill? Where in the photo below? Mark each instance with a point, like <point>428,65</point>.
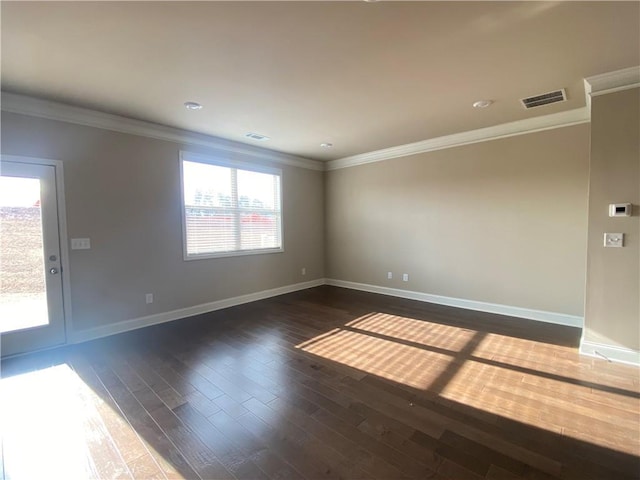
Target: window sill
<point>237,253</point>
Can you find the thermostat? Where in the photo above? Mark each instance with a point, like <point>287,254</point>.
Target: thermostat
<point>620,210</point>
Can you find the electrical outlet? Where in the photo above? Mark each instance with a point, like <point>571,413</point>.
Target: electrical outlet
<point>389,275</point>
<point>149,298</point>
<point>303,271</point>
<point>405,277</point>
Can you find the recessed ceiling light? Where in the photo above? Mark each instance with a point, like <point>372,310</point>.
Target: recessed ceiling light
<point>326,145</point>
<point>482,103</point>
<point>257,136</point>
<point>192,106</point>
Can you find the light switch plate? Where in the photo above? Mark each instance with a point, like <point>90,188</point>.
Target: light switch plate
<point>80,244</point>
<point>614,239</point>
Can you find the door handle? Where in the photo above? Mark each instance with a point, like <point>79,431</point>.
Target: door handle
<point>53,271</point>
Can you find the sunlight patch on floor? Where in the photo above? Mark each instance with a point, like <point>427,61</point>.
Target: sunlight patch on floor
<point>53,426</point>
<point>43,426</point>
<point>391,360</point>
<point>514,378</point>
<point>415,331</point>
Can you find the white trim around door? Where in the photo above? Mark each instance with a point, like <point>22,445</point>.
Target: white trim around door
<point>62,230</point>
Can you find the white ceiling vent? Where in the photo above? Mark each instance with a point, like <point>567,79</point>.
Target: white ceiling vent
<point>256,136</point>
<point>545,99</point>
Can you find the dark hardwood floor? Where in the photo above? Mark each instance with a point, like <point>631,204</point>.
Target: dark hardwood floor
<point>325,383</point>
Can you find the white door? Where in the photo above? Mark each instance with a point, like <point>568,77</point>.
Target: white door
<point>31,301</point>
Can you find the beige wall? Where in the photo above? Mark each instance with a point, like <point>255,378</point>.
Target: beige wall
<point>612,313</point>
<point>123,192</point>
<point>501,221</point>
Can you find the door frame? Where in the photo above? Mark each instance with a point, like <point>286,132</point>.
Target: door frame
<point>62,234</point>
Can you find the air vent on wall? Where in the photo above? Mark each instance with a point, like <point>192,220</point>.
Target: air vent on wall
<point>544,99</point>
<point>256,136</point>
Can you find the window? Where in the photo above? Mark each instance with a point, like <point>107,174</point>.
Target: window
<point>229,208</point>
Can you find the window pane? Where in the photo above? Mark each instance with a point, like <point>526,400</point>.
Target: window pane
<point>259,230</point>
<point>23,298</point>
<point>208,185</point>
<point>258,190</point>
<point>210,230</point>
<point>230,209</point>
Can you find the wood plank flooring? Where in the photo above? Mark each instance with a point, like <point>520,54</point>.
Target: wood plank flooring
<point>326,383</point>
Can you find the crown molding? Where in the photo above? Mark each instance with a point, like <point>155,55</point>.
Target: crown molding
<point>611,82</point>
<point>520,127</point>
<point>595,85</point>
<point>35,107</point>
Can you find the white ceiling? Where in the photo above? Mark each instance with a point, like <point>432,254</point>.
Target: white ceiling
<point>363,76</point>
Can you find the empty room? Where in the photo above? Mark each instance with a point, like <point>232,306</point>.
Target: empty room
<point>320,240</point>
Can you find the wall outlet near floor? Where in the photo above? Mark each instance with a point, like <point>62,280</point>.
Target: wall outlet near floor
<point>389,275</point>
<point>303,270</point>
<point>405,277</point>
<point>149,297</point>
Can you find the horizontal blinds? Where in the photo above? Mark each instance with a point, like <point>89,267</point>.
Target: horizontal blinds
<point>230,210</point>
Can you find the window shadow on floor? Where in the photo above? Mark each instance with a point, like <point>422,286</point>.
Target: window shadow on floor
<point>339,383</point>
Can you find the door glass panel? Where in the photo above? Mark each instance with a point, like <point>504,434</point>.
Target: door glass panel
<point>23,299</point>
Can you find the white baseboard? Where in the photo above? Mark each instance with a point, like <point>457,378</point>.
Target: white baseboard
<point>158,318</point>
<point>610,352</point>
<point>593,349</point>
<point>540,315</point>
<point>155,319</point>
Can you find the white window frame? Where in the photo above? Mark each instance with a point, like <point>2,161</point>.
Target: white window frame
<point>219,161</point>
